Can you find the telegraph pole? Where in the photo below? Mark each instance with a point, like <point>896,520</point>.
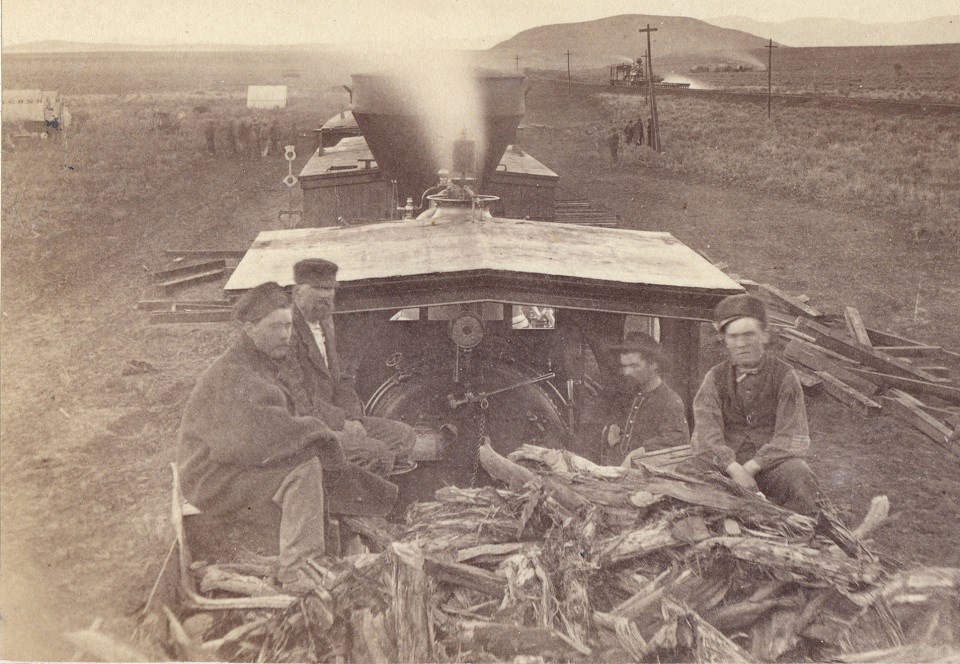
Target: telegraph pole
<point>654,120</point>
<point>517,58</point>
<point>770,46</point>
<point>568,65</point>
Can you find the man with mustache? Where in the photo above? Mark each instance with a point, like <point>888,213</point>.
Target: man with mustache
<point>644,413</point>
<point>321,386</point>
<point>243,454</point>
<point>749,416</point>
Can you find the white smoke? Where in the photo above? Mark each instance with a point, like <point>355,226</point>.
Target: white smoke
<point>441,88</point>
<point>680,78</point>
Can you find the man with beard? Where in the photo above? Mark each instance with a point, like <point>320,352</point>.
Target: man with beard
<point>749,414</point>
<point>322,386</point>
<point>644,413</point>
<point>244,454</point>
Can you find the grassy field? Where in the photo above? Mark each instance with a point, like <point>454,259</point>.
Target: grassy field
<point>903,166</point>
<point>84,477</point>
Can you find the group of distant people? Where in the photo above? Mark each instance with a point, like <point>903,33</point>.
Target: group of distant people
<point>245,138</point>
<point>633,134</point>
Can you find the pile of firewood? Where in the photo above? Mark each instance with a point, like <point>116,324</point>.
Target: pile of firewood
<point>866,369</point>
<point>565,560</point>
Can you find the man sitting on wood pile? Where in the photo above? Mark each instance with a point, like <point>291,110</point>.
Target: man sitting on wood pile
<point>749,415</point>
<point>322,386</point>
<point>645,413</point>
<point>243,451</point>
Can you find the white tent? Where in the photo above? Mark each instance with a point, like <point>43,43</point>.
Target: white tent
<point>31,105</point>
<point>266,96</point>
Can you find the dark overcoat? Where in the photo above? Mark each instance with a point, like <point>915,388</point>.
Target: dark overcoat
<point>321,388</point>
<point>239,439</point>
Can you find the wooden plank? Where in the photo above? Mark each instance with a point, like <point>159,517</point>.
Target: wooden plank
<point>787,302</point>
<point>206,253</point>
<point>910,351</point>
<point>944,391</point>
<point>749,284</point>
<point>906,408</point>
<point>182,305</point>
<point>183,268</point>
<point>812,384</point>
<point>879,338</point>
<point>811,357</point>
<point>855,324</point>
<point>793,333</point>
<point>848,396</point>
<point>210,275</point>
<point>939,371</point>
<point>867,356</point>
<point>208,316</point>
<point>790,321</point>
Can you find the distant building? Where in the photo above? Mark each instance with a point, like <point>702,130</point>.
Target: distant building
<point>266,96</point>
<point>34,110</point>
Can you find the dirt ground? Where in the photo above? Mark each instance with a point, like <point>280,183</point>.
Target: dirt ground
<point>84,479</point>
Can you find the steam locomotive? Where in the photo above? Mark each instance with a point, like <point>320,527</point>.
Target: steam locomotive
<point>465,307</point>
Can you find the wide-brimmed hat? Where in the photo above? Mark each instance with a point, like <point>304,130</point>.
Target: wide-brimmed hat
<point>739,306</point>
<point>315,272</point>
<point>257,303</point>
<point>643,343</point>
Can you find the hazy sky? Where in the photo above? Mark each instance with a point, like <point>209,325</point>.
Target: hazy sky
<point>390,21</point>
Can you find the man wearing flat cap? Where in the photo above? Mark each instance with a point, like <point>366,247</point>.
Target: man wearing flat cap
<point>322,386</point>
<point>644,413</point>
<point>243,451</point>
<point>749,416</point>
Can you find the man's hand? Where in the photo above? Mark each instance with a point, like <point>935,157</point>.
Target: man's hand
<point>631,456</point>
<point>352,430</point>
<point>739,474</point>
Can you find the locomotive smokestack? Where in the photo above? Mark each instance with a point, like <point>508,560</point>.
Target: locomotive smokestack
<point>413,126</point>
<point>465,157</point>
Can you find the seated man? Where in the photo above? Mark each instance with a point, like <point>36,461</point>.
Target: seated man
<point>749,416</point>
<point>322,387</point>
<point>242,448</point>
<point>644,413</point>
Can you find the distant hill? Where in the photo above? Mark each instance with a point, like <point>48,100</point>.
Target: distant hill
<point>616,38</point>
<point>843,32</point>
<point>60,46</point>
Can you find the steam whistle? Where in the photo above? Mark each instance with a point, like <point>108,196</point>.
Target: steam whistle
<point>408,209</point>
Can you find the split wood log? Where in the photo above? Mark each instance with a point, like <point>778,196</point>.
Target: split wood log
<point>856,327</point>
<point>812,356</point>
<point>787,302</point>
<point>940,390</point>
<point>509,641</point>
<point>869,357</point>
<point>708,643</point>
<point>637,543</point>
<point>467,576</point>
<point>516,476</point>
<point>105,648</point>
<point>371,637</point>
<point>915,652</point>
<point>376,530</point>
<point>489,552</point>
<point>411,605</point>
<point>805,565</point>
<point>849,396</point>
<point>187,649</point>
<point>216,578</point>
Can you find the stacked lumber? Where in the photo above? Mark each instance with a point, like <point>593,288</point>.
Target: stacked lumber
<point>565,560</point>
<point>868,370</point>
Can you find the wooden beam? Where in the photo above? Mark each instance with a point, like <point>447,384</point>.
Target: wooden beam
<point>184,268</point>
<point>879,338</point>
<point>812,384</point>
<point>201,277</point>
<point>199,316</point>
<point>855,324</point>
<point>810,357</point>
<point>787,302</point>
<point>906,408</point>
<point>867,356</point>
<point>849,396</point>
<point>946,392</point>
<point>910,351</point>
<point>939,371</point>
<point>182,305</point>
<point>206,253</point>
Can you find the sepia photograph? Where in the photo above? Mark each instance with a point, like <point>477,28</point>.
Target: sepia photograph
<point>533,332</point>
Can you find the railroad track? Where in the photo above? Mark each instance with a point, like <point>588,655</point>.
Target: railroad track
<point>787,98</point>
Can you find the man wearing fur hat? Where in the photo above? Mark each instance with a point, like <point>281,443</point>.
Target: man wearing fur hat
<point>645,414</point>
<point>322,386</point>
<point>243,451</point>
<point>749,416</point>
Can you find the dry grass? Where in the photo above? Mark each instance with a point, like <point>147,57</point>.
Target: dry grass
<point>901,166</point>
